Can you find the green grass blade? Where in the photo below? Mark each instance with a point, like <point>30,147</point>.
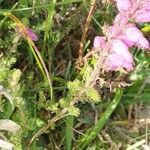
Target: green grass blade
<point>42,66</point>
<point>42,6</point>
<point>94,131</point>
<point>69,131</point>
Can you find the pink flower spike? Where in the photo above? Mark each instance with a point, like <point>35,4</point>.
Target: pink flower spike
<point>31,34</point>
<point>123,5</point>
<point>99,42</point>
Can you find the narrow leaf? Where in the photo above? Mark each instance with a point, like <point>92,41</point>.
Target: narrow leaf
<point>69,131</point>
<point>91,134</point>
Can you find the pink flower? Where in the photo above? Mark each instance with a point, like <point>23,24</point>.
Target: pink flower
<point>121,19</point>
<point>123,5</point>
<point>126,41</point>
<point>112,31</point>
<point>115,61</point>
<point>119,57</point>
<point>121,49</point>
<point>133,34</point>
<point>31,34</point>
<point>122,35</point>
<point>27,32</point>
<point>145,5</point>
<point>99,42</point>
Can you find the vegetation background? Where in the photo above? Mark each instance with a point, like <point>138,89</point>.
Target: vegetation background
<point>44,101</point>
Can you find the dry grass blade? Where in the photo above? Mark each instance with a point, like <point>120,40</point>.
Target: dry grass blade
<point>7,95</point>
<point>85,29</point>
<point>136,145</point>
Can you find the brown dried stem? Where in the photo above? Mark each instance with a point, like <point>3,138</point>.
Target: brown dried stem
<point>85,30</point>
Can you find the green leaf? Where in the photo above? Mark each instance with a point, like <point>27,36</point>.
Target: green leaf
<point>63,103</point>
<point>74,87</point>
<point>146,29</point>
<point>93,95</point>
<point>73,111</point>
<point>35,123</point>
<point>69,131</point>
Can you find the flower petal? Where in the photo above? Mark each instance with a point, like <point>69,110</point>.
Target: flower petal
<point>114,61</point>
<point>133,34</point>
<point>142,16</point>
<point>99,42</point>
<point>143,43</point>
<point>121,49</point>
<point>123,5</point>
